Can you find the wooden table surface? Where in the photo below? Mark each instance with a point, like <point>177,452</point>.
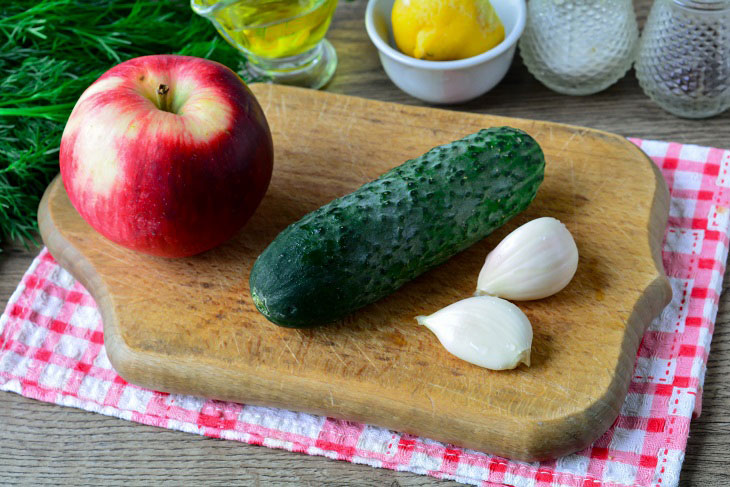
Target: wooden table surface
<point>42,443</point>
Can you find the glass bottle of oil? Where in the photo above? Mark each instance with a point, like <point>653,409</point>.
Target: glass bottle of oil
<point>282,39</point>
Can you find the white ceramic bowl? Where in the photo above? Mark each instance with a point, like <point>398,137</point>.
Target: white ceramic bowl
<point>445,81</point>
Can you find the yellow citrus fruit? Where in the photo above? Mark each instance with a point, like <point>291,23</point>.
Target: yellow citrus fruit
<point>445,30</point>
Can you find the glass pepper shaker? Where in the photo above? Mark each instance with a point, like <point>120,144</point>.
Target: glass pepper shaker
<point>579,47</point>
<point>684,57</point>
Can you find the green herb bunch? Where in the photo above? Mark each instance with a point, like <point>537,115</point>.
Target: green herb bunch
<point>50,51</point>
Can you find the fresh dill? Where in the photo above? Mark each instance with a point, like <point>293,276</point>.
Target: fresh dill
<point>50,51</point>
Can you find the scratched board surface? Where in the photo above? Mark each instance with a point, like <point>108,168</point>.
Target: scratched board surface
<point>189,326</point>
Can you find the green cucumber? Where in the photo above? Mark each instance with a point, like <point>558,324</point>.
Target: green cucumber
<point>365,245</point>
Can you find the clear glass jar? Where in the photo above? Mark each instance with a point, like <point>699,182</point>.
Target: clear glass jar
<point>579,47</point>
<point>283,40</point>
<point>684,57</point>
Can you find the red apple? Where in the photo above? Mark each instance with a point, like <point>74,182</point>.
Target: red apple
<point>167,155</point>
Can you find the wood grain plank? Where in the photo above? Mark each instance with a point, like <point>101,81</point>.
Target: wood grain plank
<point>45,444</point>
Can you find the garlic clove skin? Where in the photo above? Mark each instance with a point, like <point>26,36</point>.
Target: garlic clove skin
<point>483,330</point>
<point>535,261</point>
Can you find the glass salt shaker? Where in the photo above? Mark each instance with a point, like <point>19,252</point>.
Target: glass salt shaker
<point>684,57</point>
<point>579,47</point>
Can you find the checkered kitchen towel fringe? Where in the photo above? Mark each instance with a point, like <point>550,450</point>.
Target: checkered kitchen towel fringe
<point>51,349</point>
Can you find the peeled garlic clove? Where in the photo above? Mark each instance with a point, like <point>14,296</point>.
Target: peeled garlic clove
<point>535,261</point>
<point>483,330</point>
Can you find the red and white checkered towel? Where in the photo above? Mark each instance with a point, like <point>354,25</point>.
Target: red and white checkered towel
<point>51,349</point>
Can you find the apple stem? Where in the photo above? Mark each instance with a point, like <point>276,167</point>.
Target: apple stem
<point>162,99</point>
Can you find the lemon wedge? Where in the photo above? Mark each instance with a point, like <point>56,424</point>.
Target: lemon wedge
<point>445,30</point>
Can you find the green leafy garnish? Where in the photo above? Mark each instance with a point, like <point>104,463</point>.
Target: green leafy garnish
<point>50,51</point>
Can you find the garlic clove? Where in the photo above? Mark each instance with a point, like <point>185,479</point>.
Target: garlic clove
<point>535,261</point>
<point>483,330</point>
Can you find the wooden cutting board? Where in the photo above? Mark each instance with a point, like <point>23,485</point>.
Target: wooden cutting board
<point>189,326</point>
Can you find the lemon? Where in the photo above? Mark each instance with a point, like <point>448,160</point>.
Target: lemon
<point>445,30</point>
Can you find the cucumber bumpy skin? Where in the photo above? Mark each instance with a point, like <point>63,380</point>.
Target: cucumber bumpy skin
<point>363,246</point>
